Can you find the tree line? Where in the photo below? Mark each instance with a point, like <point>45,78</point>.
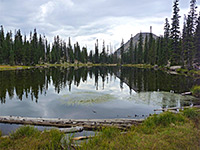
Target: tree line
<point>36,50</point>
<point>174,48</point>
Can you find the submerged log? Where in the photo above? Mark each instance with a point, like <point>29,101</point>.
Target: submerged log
<point>87,124</point>
<point>71,130</point>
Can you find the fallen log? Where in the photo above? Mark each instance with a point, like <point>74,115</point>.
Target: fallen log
<point>87,124</point>
<point>186,93</point>
<point>81,138</point>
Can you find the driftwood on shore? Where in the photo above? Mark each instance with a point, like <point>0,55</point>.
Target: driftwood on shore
<point>87,124</point>
<point>176,108</point>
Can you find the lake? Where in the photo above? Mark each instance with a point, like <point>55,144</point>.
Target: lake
<point>90,93</point>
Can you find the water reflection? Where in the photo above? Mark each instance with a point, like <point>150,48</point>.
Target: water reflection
<point>35,82</point>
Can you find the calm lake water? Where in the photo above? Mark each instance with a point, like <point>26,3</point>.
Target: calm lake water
<point>96,92</point>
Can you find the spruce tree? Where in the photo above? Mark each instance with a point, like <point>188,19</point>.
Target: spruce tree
<point>189,37</point>
<point>84,55</point>
<point>175,33</point>
<point>7,47</point>
<point>1,44</point>
<point>122,51</point>
<point>166,44</point>
<point>70,51</point>
<point>103,54</point>
<point>96,55</point>
<point>135,54</point>
<point>140,50</point>
<point>91,57</point>
<point>146,49</point>
<point>197,42</point>
<point>131,50</point>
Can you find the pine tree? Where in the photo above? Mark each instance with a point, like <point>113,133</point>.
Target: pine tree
<point>96,57</point>
<point>70,51</point>
<point>84,55</point>
<point>34,48</point>
<point>197,42</point>
<point>131,51</point>
<point>1,44</point>
<point>146,49</point>
<point>175,33</point>
<point>166,44</point>
<point>7,47</point>
<point>140,50</point>
<point>18,48</point>
<point>122,52</point>
<point>135,54</point>
<point>103,54</point>
<point>189,37</point>
<point>152,52</point>
<point>65,50</point>
<point>91,57</point>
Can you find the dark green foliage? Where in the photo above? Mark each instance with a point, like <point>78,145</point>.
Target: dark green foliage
<point>166,43</point>
<point>188,35</point>
<point>70,51</point>
<point>122,52</point>
<point>140,50</point>
<point>196,91</point>
<point>197,41</point>
<point>131,49</point>
<point>152,50</point>
<point>175,33</point>
<point>146,50</point>
<point>103,54</point>
<point>96,56</point>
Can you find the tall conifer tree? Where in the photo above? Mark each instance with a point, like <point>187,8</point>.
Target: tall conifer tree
<point>175,35</point>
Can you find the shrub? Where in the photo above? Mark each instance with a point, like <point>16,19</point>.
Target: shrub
<point>0,133</point>
<point>25,131</point>
<point>55,136</point>
<point>196,91</point>
<point>190,113</point>
<point>164,119</point>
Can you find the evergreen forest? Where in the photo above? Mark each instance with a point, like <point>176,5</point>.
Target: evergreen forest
<point>175,47</point>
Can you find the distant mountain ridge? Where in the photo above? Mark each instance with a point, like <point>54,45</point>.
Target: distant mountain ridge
<point>135,41</point>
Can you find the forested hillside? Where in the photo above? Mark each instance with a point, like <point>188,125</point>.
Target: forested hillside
<point>175,47</point>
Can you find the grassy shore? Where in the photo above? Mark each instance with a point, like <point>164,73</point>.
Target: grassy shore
<point>8,67</point>
<point>164,131</point>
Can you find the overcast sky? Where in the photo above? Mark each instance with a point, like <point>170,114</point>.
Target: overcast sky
<point>86,20</point>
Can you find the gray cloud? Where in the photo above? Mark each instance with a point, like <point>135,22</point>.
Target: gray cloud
<point>86,20</point>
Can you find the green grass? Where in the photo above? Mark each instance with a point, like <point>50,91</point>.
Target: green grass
<point>26,131</point>
<point>138,65</point>
<point>30,138</point>
<point>164,131</point>
<point>159,132</point>
<point>8,67</point>
<point>191,113</point>
<point>0,133</point>
<point>196,91</point>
